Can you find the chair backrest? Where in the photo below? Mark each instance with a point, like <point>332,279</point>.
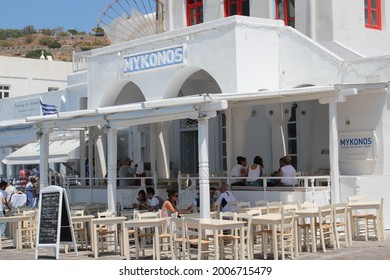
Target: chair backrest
<point>105,214</point>
<point>325,214</point>
<point>227,216</point>
<point>77,212</point>
<point>288,220</point>
<point>274,207</point>
<point>193,228</point>
<point>307,205</point>
<point>340,212</point>
<point>289,208</point>
<point>177,229</point>
<point>148,215</point>
<point>254,212</point>
<point>356,198</point>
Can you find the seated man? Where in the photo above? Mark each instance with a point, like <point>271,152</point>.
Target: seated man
<point>156,202</point>
<point>224,198</point>
<point>239,170</point>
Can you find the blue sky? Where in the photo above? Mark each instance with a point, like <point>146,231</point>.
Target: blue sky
<point>82,15</point>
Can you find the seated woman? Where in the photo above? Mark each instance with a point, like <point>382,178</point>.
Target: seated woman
<point>286,170</point>
<point>141,202</point>
<point>169,206</point>
<point>254,172</point>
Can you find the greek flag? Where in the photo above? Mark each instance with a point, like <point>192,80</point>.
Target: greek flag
<point>48,109</point>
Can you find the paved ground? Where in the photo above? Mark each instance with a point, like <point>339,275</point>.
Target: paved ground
<point>360,250</point>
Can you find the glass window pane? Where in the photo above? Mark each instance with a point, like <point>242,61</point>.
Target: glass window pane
<point>374,18</point>
<point>292,130</point>
<point>373,4</point>
<point>292,147</point>
<point>245,8</point>
<point>233,9</point>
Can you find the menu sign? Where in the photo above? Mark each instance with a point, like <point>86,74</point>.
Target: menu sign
<point>48,226</point>
<point>54,224</point>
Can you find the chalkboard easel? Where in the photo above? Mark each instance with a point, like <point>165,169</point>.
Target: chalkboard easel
<point>54,220</point>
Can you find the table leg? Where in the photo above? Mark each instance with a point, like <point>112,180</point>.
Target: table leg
<point>136,243</point>
<point>17,231</point>
<point>157,242</point>
<point>313,235</point>
<point>216,245</point>
<point>379,225</point>
<point>125,238</point>
<point>274,242</point>
<point>95,241</point>
<point>296,239</point>
<point>242,245</point>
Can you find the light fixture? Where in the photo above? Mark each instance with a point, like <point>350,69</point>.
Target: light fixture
<point>347,122</point>
<point>105,128</point>
<point>253,113</point>
<point>271,112</point>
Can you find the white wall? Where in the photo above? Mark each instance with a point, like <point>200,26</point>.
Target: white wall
<point>28,76</point>
<point>349,28</point>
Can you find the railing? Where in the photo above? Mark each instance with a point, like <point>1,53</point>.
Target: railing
<point>80,60</point>
<point>96,182</point>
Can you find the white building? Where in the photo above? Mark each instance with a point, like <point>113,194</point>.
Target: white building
<point>317,91</point>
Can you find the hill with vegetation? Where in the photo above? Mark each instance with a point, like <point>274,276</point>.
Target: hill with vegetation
<point>29,42</point>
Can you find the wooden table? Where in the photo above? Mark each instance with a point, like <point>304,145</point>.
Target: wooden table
<point>108,221</point>
<point>312,214</point>
<point>16,222</point>
<point>369,205</point>
<point>155,223</point>
<point>219,225</point>
<point>273,220</point>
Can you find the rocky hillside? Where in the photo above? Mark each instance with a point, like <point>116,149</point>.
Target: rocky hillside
<point>60,47</point>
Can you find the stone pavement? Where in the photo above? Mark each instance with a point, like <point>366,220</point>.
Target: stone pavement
<point>360,250</point>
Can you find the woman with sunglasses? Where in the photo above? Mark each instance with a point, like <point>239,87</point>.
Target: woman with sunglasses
<point>169,206</point>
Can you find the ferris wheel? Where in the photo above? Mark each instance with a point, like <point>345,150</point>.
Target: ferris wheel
<point>126,20</point>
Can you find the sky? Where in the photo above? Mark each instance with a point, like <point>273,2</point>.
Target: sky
<point>82,15</point>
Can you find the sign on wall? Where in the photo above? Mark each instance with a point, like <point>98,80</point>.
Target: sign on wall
<point>154,59</point>
<point>26,108</point>
<point>357,146</point>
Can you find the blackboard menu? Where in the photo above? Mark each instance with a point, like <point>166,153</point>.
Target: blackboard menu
<point>48,228</point>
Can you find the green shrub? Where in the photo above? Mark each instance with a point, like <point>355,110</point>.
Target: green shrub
<point>54,45</point>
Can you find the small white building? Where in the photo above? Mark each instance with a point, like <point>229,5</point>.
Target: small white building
<point>276,77</point>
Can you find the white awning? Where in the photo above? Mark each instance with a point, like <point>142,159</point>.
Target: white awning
<point>59,151</point>
<point>17,135</point>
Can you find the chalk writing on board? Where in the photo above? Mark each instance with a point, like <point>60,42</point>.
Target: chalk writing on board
<point>49,218</point>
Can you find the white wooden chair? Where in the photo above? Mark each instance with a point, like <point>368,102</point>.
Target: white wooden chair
<point>177,237</point>
<point>195,241</point>
<point>107,237</point>
<point>80,231</point>
<point>325,227</point>
<point>340,220</point>
<point>228,240</point>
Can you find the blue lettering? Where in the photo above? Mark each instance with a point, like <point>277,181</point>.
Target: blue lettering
<point>364,141</point>
<point>154,59</point>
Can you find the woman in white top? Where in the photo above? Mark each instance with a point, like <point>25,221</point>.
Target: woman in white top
<point>254,172</point>
<point>286,170</point>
